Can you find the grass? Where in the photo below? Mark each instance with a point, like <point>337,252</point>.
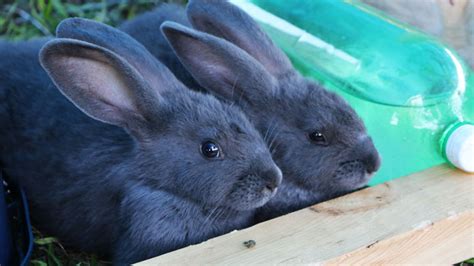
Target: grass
<point>25,19</point>
<point>49,251</point>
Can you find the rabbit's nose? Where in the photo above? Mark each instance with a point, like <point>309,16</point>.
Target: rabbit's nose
<point>369,155</point>
<point>272,177</point>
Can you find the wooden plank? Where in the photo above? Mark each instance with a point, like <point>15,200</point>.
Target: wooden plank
<point>426,217</point>
<point>444,242</point>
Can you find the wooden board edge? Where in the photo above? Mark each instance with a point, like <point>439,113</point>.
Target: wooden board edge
<point>447,241</point>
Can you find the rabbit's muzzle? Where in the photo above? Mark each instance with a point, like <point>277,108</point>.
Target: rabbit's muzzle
<point>358,171</point>
<point>351,175</point>
<point>367,154</point>
<point>254,190</point>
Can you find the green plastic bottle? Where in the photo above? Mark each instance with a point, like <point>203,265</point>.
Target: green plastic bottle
<point>410,89</point>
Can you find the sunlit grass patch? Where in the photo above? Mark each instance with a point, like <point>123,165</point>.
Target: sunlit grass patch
<point>24,19</point>
<point>49,251</point>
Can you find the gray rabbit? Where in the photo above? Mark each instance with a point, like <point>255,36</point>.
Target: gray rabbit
<point>316,138</point>
<point>147,167</point>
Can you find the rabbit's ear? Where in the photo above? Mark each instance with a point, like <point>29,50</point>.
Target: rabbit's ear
<point>100,83</point>
<point>227,21</point>
<point>121,43</point>
<point>218,65</point>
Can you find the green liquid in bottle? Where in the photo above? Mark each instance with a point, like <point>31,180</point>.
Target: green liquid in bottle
<point>407,87</point>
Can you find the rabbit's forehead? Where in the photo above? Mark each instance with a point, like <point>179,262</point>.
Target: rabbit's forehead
<point>204,110</point>
<point>307,106</point>
<point>203,116</point>
<point>328,107</point>
<point>224,120</point>
<point>216,122</point>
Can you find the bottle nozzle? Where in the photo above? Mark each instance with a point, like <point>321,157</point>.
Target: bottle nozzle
<point>458,145</point>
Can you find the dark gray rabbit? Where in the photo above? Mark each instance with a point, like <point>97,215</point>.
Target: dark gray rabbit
<point>316,138</point>
<point>151,168</point>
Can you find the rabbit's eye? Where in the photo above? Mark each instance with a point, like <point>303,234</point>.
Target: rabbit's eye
<point>210,149</point>
<point>318,138</point>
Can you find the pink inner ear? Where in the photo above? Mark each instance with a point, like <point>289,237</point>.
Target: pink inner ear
<point>93,81</point>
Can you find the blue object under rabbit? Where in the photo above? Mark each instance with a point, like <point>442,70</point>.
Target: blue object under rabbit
<point>5,236</point>
<point>16,240</point>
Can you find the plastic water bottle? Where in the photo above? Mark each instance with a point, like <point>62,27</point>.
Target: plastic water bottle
<point>414,94</point>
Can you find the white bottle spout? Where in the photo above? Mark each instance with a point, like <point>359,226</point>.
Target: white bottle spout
<point>459,147</point>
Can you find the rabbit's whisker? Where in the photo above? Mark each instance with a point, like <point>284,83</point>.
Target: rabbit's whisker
<point>273,149</point>
<point>277,132</point>
<point>269,129</point>
<point>213,211</point>
<point>210,214</point>
<point>233,89</point>
<point>219,215</point>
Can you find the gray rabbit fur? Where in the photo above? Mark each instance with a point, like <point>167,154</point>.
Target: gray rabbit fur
<point>107,144</point>
<point>236,61</point>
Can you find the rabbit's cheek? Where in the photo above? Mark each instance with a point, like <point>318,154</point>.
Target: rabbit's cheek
<point>249,193</point>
